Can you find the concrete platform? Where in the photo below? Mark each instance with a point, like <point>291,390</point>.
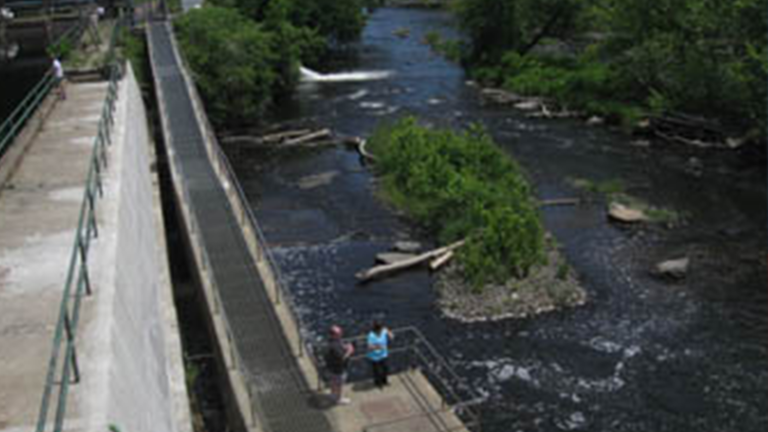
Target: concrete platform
<point>39,208</point>
<point>408,404</point>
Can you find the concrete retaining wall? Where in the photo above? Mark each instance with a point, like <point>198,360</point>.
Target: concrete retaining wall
<point>134,376</point>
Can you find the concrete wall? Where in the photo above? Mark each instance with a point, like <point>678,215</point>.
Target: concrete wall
<point>133,367</point>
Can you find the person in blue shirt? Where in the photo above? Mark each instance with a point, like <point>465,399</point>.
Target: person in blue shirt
<point>378,341</point>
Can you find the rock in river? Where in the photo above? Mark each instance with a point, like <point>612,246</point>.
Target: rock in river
<point>407,246</point>
<point>622,213</point>
<point>676,268</point>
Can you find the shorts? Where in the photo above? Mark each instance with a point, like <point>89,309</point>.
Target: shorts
<point>335,379</point>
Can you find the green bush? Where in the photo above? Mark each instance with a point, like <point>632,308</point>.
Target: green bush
<point>233,62</point>
<point>460,185</point>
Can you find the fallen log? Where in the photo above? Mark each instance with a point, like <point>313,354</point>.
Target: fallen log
<point>686,141</point>
<point>559,202</point>
<point>280,136</point>
<point>363,151</point>
<point>269,138</point>
<point>440,261</point>
<point>382,270</point>
<point>322,133</point>
<point>237,138</point>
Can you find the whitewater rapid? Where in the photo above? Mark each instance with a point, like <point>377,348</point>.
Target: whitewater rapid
<point>308,75</point>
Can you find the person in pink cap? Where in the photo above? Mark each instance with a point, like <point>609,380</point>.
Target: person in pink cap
<point>336,360</point>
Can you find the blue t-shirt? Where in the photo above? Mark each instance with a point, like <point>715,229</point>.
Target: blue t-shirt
<point>380,340</point>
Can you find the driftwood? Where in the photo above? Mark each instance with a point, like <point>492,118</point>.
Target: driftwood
<point>559,202</point>
<point>686,141</point>
<point>322,133</point>
<point>440,261</point>
<point>280,136</point>
<point>385,269</point>
<point>288,138</point>
<point>363,151</point>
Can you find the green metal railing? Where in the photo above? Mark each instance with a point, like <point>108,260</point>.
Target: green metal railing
<point>410,350</point>
<point>14,124</point>
<point>63,369</point>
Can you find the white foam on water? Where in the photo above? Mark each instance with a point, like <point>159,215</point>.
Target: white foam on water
<point>372,105</point>
<point>308,75</point>
<point>357,95</point>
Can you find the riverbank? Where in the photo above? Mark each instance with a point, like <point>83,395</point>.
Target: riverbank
<point>550,287</point>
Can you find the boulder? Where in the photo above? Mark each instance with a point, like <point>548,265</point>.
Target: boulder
<point>501,96</point>
<point>676,268</point>
<point>620,212</point>
<point>529,105</point>
<point>595,121</point>
<point>392,257</point>
<point>406,246</point>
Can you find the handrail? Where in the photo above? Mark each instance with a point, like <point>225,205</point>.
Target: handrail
<point>419,354</point>
<point>281,293</point>
<point>77,282</point>
<point>12,125</point>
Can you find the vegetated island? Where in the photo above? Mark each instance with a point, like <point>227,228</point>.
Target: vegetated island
<point>461,186</point>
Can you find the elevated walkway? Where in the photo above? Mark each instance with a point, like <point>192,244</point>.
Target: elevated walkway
<point>273,371</point>
<point>278,392</point>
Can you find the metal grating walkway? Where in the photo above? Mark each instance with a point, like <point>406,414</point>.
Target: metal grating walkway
<point>283,395</point>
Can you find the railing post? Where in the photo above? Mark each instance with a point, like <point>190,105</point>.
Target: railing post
<point>102,147</point>
<point>300,340</point>
<point>75,367</point>
<point>84,264</point>
<point>277,288</point>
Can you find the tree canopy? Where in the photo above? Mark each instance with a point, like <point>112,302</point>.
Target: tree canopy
<point>232,61</point>
<point>707,57</point>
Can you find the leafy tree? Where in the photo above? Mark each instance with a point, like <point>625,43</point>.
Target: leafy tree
<point>232,60</point>
<point>497,26</point>
<point>460,185</point>
<point>340,21</point>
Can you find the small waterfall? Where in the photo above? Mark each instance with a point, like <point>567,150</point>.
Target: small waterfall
<point>308,75</point>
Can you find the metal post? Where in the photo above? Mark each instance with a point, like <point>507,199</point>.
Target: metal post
<point>103,149</point>
<point>277,286</point>
<point>67,324</point>
<point>75,367</point>
<point>93,224</point>
<point>84,265</point>
<point>300,339</point>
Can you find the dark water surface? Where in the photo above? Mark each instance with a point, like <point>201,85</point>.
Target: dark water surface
<point>642,355</point>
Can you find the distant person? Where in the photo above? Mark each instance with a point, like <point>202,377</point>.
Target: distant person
<point>337,358</point>
<point>378,351</point>
<point>58,77</point>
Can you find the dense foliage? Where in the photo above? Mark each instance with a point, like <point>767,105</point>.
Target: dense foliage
<point>244,53</point>
<point>232,61</point>
<point>339,21</point>
<point>460,185</point>
<point>707,57</point>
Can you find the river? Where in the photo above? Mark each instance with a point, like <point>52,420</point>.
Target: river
<point>642,355</point>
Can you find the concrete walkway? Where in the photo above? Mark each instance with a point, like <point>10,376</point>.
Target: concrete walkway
<point>39,208</point>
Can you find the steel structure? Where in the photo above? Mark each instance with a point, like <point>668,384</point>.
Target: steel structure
<point>278,391</point>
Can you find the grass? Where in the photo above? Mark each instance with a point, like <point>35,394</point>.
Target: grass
<point>614,190</point>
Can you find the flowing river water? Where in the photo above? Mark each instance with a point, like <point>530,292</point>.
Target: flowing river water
<point>641,355</point>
